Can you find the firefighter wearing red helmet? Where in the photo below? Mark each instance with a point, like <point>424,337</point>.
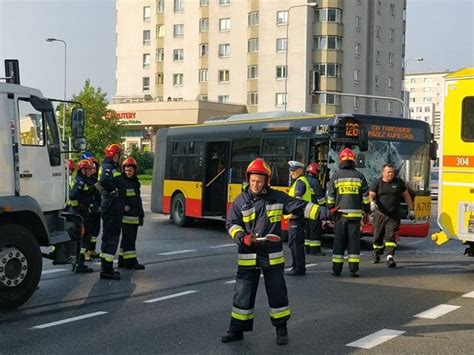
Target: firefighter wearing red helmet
<point>348,197</point>
<point>313,232</point>
<point>257,212</point>
<point>80,198</point>
<point>132,216</point>
<point>94,209</point>
<point>112,205</point>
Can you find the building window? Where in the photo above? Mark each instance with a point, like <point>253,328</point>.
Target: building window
<point>178,30</point>
<point>224,76</point>
<point>224,50</point>
<point>390,107</point>
<point>427,109</point>
<point>178,79</point>
<point>327,42</point>
<point>252,45</point>
<point>146,13</point>
<point>427,99</point>
<point>203,97</point>
<point>419,109</point>
<point>282,17</point>
<point>390,83</point>
<point>358,21</point>
<point>223,99</point>
<point>357,49</point>
<point>412,90</point>
<point>159,78</point>
<point>160,31</point>
<point>427,81</point>
<point>160,54</point>
<point>379,7</point>
<point>146,37</point>
<point>178,5</point>
<point>356,76</point>
<point>378,32</point>
<point>329,99</point>
<point>376,106</point>
<point>203,25</point>
<point>281,72</point>
<point>377,81</point>
<point>224,2</point>
<point>202,75</point>
<point>252,72</point>
<point>253,18</point>
<point>160,6</point>
<point>203,49</point>
<point>392,9</point>
<point>412,81</point>
<point>281,44</point>
<point>329,14</point>
<point>146,83</point>
<point>178,55</point>
<point>224,24</point>
<point>203,2</point>
<point>390,59</point>
<point>356,103</point>
<point>427,89</point>
<point>333,70</point>
<point>146,60</point>
<point>377,57</point>
<point>252,98</point>
<point>392,35</point>
<point>280,99</point>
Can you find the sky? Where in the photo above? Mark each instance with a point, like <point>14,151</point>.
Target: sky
<point>440,31</point>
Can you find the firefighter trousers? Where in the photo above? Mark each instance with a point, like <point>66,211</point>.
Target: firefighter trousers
<point>244,297</point>
<point>85,241</point>
<point>95,230</point>
<point>128,252</point>
<point>111,226</point>
<point>296,235</point>
<point>385,234</point>
<point>313,233</point>
<point>347,236</point>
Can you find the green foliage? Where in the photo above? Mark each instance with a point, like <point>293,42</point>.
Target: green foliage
<point>102,127</point>
<point>144,161</point>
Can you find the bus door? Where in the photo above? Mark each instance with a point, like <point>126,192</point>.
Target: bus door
<point>318,153</point>
<point>214,192</point>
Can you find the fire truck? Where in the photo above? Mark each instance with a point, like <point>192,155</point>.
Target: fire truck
<point>456,171</point>
<point>33,187</point>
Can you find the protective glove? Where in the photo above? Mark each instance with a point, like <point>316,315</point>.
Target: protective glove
<point>411,214</point>
<point>333,211</point>
<point>248,240</point>
<point>373,207</point>
<point>114,193</point>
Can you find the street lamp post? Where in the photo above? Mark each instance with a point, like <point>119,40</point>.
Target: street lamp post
<point>405,63</point>
<point>65,72</point>
<point>310,4</point>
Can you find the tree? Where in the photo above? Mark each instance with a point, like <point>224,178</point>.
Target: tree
<point>101,125</point>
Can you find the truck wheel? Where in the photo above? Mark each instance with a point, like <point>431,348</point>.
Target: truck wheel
<point>20,265</point>
<point>178,211</point>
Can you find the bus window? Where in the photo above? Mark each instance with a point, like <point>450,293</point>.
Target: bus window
<point>302,150</point>
<point>186,161</point>
<point>277,152</point>
<point>467,130</point>
<point>244,150</point>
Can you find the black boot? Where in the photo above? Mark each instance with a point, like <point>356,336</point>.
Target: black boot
<point>232,336</point>
<point>282,335</point>
<point>109,274</point>
<point>136,266</point>
<point>355,274</point>
<point>390,261</point>
<point>79,266</point>
<point>376,259</point>
<point>121,263</point>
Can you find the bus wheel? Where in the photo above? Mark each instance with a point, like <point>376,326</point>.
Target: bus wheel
<point>20,266</point>
<point>178,211</point>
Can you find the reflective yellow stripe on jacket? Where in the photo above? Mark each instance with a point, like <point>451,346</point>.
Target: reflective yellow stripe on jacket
<point>248,215</point>
<point>247,260</point>
<point>130,220</point>
<point>274,212</point>
<point>131,192</point>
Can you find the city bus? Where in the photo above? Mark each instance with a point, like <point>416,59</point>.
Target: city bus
<point>456,170</point>
<point>199,170</point>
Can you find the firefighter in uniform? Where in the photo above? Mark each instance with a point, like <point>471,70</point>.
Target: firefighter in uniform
<point>313,228</point>
<point>94,208</point>
<point>257,212</point>
<point>79,200</point>
<point>297,225</point>
<point>348,199</point>
<point>112,205</point>
<point>132,217</point>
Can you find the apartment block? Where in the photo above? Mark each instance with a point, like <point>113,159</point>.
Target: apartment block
<point>262,53</point>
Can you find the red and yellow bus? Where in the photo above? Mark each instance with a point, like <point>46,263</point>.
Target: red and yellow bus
<point>199,170</point>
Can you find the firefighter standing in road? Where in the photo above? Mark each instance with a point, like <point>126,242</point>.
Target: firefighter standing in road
<point>257,212</point>
<point>348,199</point>
<point>113,202</point>
<point>132,217</point>
<point>94,208</point>
<point>313,228</point>
<point>79,200</point>
<point>296,233</point>
<point>385,195</point>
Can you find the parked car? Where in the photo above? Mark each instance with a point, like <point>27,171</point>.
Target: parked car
<point>434,182</point>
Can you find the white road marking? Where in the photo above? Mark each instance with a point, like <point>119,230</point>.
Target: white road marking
<point>222,246</point>
<point>178,252</point>
<point>170,296</point>
<point>68,320</point>
<point>437,311</point>
<point>469,295</point>
<point>52,271</point>
<point>230,282</point>
<point>311,265</point>
<point>376,338</point>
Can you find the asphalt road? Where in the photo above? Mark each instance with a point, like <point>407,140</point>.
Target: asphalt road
<point>181,303</point>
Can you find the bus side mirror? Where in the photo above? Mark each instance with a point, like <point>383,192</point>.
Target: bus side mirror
<point>433,150</point>
<point>315,81</point>
<point>12,71</point>
<point>363,139</point>
<point>77,122</point>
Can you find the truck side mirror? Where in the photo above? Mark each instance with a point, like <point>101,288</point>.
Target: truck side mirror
<point>363,139</point>
<point>77,122</point>
<point>79,144</point>
<point>433,150</point>
<point>12,71</point>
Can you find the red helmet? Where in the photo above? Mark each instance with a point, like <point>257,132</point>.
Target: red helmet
<point>260,167</point>
<point>112,149</point>
<point>84,164</point>
<point>129,162</point>
<point>71,165</point>
<point>347,154</point>
<point>93,160</point>
<point>313,168</point>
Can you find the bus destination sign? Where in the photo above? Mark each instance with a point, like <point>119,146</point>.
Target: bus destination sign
<point>382,132</point>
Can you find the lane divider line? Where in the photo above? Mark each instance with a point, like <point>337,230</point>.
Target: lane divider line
<point>52,271</point>
<point>178,252</point>
<point>469,295</point>
<point>376,338</point>
<point>437,311</point>
<point>222,246</point>
<point>153,300</point>
<point>69,320</point>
